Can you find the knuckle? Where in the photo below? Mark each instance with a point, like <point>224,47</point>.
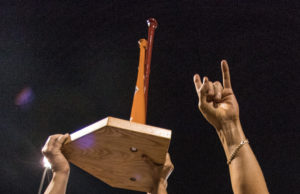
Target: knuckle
<point>202,106</point>
<point>204,91</point>
<point>217,83</point>
<point>47,151</point>
<point>218,95</point>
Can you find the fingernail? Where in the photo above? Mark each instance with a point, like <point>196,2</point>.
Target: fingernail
<point>195,78</point>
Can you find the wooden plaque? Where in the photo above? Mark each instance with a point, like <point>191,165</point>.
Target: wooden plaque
<point>112,149</point>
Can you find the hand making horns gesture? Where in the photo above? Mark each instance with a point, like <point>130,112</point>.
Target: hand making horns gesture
<point>219,106</point>
<point>217,102</point>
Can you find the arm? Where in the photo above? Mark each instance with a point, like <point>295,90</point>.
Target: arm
<point>59,164</point>
<point>161,175</point>
<point>219,106</point>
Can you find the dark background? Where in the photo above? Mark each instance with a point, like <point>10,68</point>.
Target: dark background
<point>77,63</point>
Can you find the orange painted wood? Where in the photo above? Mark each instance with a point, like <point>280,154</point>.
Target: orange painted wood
<point>138,109</point>
<point>112,150</point>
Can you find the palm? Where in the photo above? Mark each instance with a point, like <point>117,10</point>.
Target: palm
<point>59,161</point>
<point>218,112</point>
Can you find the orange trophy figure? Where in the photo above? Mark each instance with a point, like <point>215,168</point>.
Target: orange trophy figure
<point>138,110</point>
<point>140,100</point>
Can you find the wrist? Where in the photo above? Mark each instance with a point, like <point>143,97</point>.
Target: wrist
<point>63,171</point>
<point>231,134</point>
<point>60,176</point>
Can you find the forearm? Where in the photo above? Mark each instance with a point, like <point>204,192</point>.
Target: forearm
<point>58,184</point>
<point>245,172</point>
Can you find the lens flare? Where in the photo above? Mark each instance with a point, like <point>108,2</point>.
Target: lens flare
<point>24,97</point>
<point>46,163</point>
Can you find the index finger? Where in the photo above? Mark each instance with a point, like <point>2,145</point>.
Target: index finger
<point>51,139</point>
<point>63,138</point>
<point>225,74</point>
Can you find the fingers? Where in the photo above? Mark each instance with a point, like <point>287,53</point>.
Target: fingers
<point>204,88</point>
<point>210,91</point>
<point>218,89</point>
<point>168,160</point>
<point>213,91</point>
<point>198,83</point>
<point>49,144</point>
<point>53,143</point>
<point>225,74</point>
<point>61,140</point>
<point>168,166</point>
<point>149,161</point>
<point>201,88</point>
<point>52,139</point>
<point>206,91</point>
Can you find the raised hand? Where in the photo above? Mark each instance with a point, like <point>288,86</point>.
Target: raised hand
<point>59,164</point>
<point>219,106</point>
<point>217,102</point>
<point>52,151</point>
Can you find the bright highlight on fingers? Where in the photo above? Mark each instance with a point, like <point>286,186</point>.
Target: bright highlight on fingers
<point>46,163</point>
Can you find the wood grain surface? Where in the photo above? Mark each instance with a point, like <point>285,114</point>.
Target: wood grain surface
<point>112,150</point>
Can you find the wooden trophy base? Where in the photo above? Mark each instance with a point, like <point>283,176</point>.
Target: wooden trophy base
<point>112,150</point>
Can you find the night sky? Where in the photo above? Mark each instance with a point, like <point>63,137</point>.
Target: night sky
<point>65,65</point>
